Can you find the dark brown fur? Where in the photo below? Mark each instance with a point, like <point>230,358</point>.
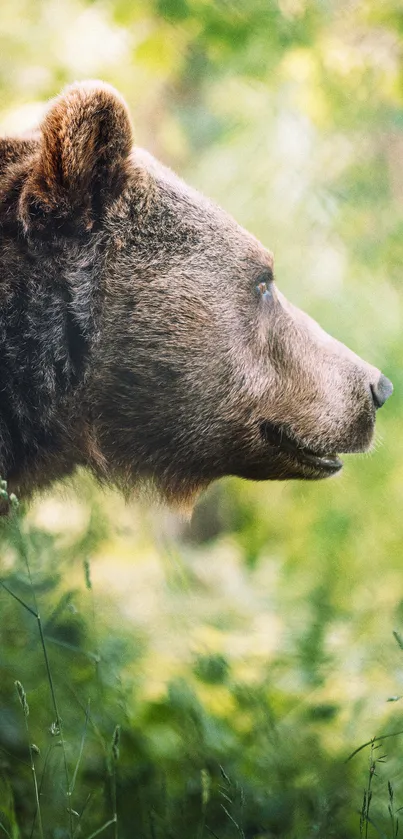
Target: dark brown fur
<point>141,333</point>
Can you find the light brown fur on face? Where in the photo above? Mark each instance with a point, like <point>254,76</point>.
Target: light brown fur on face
<point>142,333</point>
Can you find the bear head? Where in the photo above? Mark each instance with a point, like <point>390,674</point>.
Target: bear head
<point>142,332</point>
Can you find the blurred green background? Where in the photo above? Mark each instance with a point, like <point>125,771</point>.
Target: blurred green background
<point>246,654</point>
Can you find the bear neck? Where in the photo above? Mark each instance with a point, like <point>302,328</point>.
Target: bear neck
<point>49,313</point>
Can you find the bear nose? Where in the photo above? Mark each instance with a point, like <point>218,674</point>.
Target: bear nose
<point>381,391</point>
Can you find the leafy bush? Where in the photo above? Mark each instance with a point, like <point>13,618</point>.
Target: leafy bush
<point>220,745</point>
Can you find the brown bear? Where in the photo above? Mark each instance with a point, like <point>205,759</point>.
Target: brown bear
<point>141,332</point>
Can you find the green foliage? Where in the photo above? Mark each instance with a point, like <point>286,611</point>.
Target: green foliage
<point>102,726</point>
<point>212,679</point>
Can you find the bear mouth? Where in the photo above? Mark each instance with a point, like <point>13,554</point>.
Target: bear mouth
<point>320,464</point>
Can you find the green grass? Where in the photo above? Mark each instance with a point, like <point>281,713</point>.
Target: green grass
<point>97,739</point>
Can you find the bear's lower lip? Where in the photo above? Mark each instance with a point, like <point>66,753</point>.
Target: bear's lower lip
<point>327,464</point>
<point>319,464</point>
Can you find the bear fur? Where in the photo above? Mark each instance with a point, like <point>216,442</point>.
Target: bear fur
<point>141,332</point>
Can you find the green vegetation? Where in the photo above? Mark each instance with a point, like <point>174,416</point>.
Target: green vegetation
<point>212,678</point>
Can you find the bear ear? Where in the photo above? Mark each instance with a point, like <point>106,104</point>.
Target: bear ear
<point>86,138</point>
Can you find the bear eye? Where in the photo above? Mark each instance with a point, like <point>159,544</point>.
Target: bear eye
<point>264,286</point>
